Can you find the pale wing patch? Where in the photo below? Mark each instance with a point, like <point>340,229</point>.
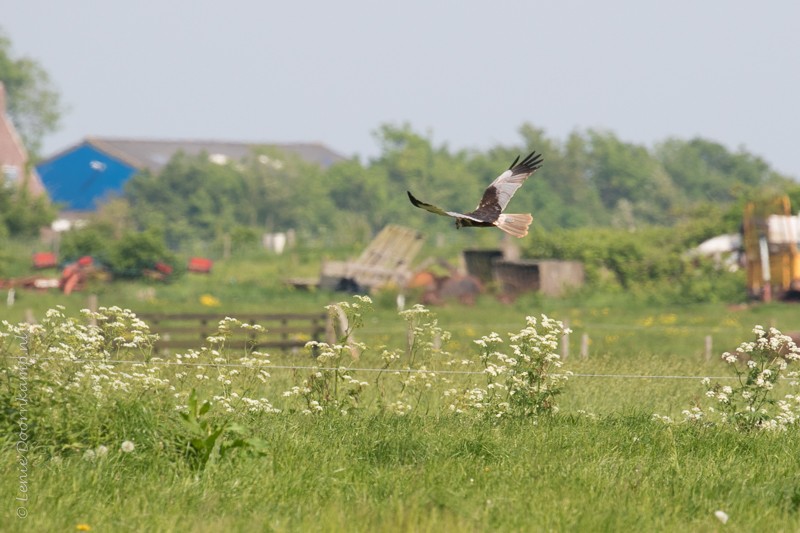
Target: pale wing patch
<point>506,185</point>
<point>461,215</point>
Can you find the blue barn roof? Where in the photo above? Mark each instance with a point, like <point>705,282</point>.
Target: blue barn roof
<point>83,176</point>
<point>96,169</point>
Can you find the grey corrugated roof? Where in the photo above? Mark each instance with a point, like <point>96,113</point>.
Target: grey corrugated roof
<point>153,154</point>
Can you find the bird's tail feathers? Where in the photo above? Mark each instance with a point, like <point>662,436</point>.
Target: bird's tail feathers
<point>514,224</point>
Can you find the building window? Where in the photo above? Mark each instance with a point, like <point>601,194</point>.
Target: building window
<point>10,175</point>
<point>218,159</point>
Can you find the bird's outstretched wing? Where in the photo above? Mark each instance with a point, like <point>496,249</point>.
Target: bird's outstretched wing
<point>495,199</point>
<point>498,194</point>
<point>437,210</point>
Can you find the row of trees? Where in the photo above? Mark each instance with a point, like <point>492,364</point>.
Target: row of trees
<point>626,211</point>
<point>590,179</point>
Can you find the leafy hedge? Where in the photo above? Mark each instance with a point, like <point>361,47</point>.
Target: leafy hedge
<point>127,255</point>
<point>653,263</point>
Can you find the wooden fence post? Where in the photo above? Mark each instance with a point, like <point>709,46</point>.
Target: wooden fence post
<point>585,346</point>
<point>401,302</point>
<point>709,347</point>
<point>92,305</point>
<point>343,327</point>
<point>226,246</point>
<point>330,330</point>
<point>409,339</point>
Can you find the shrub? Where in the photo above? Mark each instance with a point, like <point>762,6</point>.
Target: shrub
<point>649,263</point>
<point>76,373</point>
<point>127,256</point>
<point>524,382</point>
<point>331,385</point>
<point>137,251</point>
<point>750,402</point>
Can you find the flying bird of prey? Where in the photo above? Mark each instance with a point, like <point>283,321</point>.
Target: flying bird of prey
<point>495,199</point>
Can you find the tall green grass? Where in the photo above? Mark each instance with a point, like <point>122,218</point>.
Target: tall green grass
<point>375,473</point>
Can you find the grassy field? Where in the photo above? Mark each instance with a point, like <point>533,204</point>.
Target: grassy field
<point>373,473</point>
<point>601,463</point>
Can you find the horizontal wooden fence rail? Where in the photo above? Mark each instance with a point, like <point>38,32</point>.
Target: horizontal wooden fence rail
<point>284,331</point>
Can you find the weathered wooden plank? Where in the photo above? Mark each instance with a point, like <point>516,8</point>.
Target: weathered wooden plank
<point>234,345</point>
<point>284,330</point>
<point>243,317</point>
<point>210,330</point>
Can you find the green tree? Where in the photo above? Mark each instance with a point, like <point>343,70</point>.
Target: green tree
<point>286,192</point>
<point>34,108</point>
<point>410,162</point>
<point>630,181</point>
<point>194,198</point>
<point>136,251</point>
<point>353,188</point>
<point>563,193</point>
<point>406,155</point>
<point>125,254</point>
<point>22,215</point>
<point>33,103</point>
<point>95,239</point>
<point>191,197</point>
<point>706,171</point>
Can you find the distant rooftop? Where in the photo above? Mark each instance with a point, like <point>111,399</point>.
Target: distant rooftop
<point>154,154</point>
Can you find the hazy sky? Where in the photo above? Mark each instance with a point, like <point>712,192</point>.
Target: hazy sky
<point>467,73</point>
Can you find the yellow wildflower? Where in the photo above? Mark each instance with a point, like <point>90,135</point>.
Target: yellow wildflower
<point>209,301</point>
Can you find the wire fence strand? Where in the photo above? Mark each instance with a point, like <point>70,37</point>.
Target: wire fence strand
<point>312,368</point>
